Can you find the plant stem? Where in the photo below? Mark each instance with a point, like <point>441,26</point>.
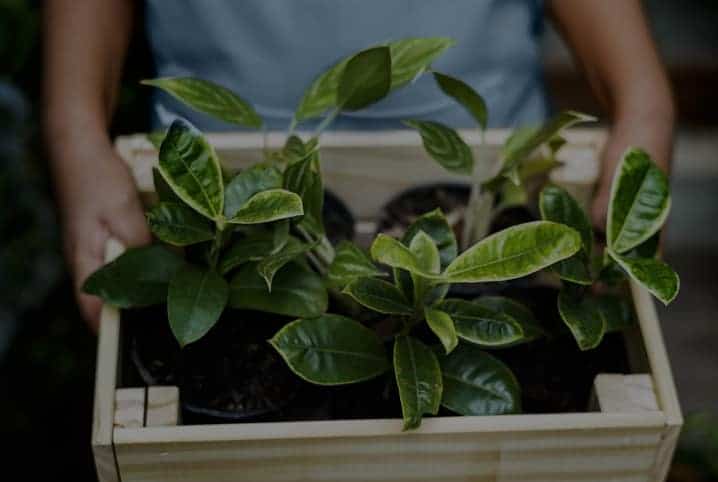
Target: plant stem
<point>217,244</point>
<point>326,122</point>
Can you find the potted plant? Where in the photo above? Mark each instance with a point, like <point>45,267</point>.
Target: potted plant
<point>255,256</point>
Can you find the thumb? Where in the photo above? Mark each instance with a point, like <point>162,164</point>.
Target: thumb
<point>128,224</point>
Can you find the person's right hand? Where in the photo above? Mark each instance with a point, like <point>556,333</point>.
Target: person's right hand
<point>98,200</point>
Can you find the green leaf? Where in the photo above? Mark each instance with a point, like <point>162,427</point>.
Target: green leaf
<point>322,93</point>
<point>350,263</point>
<point>302,178</point>
<point>248,183</point>
<point>616,311</point>
<point>557,205</point>
<point>640,202</point>
<point>195,300</point>
<point>409,57</point>
<point>179,225</point>
<point>480,325</point>
<point>582,318</point>
<point>163,190</point>
<point>445,146</point>
<point>296,291</point>
<point>294,149</point>
<point>427,255</point>
<point>251,248</point>
<point>514,252</point>
<point>365,80</point>
<point>520,313</point>
<point>210,98</point>
<point>653,274</point>
<point>331,350</point>
<point>443,327</point>
<point>412,56</point>
<point>138,277</point>
<point>267,206</point>
<point>435,224</point>
<point>525,141</point>
<point>378,295</point>
<point>476,383</point>
<point>418,377</point>
<point>269,266</point>
<point>190,166</point>
<point>391,252</point>
<point>465,95</point>
<point>156,138</point>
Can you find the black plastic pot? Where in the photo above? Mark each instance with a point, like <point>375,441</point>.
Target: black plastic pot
<point>230,375</point>
<point>338,219</point>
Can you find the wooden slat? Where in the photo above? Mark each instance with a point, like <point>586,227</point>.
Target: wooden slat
<point>105,383</point>
<point>625,393</point>
<point>163,407</point>
<point>130,407</point>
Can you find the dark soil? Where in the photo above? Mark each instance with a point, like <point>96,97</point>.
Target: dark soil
<point>231,374</point>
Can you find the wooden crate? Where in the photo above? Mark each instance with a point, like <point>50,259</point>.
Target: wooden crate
<point>629,435</point>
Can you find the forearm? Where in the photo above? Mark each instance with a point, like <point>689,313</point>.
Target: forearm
<point>85,46</point>
<point>612,43</point>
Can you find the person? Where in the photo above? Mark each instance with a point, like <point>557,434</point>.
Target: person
<point>270,50</point>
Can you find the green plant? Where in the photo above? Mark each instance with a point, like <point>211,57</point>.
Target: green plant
<point>465,379</point>
<point>639,205</point>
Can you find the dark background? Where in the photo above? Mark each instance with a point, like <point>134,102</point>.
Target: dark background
<point>47,355</point>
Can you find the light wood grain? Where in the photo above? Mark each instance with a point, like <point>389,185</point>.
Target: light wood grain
<point>625,393</point>
<point>105,383</point>
<point>130,407</point>
<point>163,406</point>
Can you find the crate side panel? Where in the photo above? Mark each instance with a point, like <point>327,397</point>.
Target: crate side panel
<point>564,455</point>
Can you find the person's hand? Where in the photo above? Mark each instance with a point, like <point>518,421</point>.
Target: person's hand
<point>98,200</point>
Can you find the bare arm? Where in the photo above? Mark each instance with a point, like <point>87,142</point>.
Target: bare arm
<point>85,46</point>
<point>612,43</point>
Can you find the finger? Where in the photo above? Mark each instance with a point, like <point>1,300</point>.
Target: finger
<point>129,225</point>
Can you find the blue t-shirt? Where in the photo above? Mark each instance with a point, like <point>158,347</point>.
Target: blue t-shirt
<point>269,51</point>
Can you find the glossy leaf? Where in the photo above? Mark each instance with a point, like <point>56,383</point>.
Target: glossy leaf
<point>582,318</point>
<point>443,327</point>
<point>557,205</point>
<point>520,313</point>
<point>640,202</point>
<point>418,377</point>
<point>138,277</point>
<point>427,255</point>
<point>379,295</point>
<point>248,183</point>
<point>296,291</point>
<point>391,252</point>
<point>476,383</point>
<point>412,56</point>
<point>302,178</point>
<point>209,98</point>
<point>366,79</point>
<point>156,138</point>
<point>163,190</point>
<point>195,300</point>
<point>269,266</point>
<point>617,312</point>
<point>190,166</point>
<point>268,206</point>
<point>480,325</point>
<point>445,146</point>
<point>251,248</point>
<point>465,95</point>
<point>527,140</point>
<point>514,252</point>
<point>655,275</point>
<point>179,225</point>
<point>350,263</point>
<point>435,224</point>
<point>322,93</point>
<point>331,350</point>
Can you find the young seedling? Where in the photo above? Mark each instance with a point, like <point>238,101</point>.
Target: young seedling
<point>334,350</point>
<point>639,205</point>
